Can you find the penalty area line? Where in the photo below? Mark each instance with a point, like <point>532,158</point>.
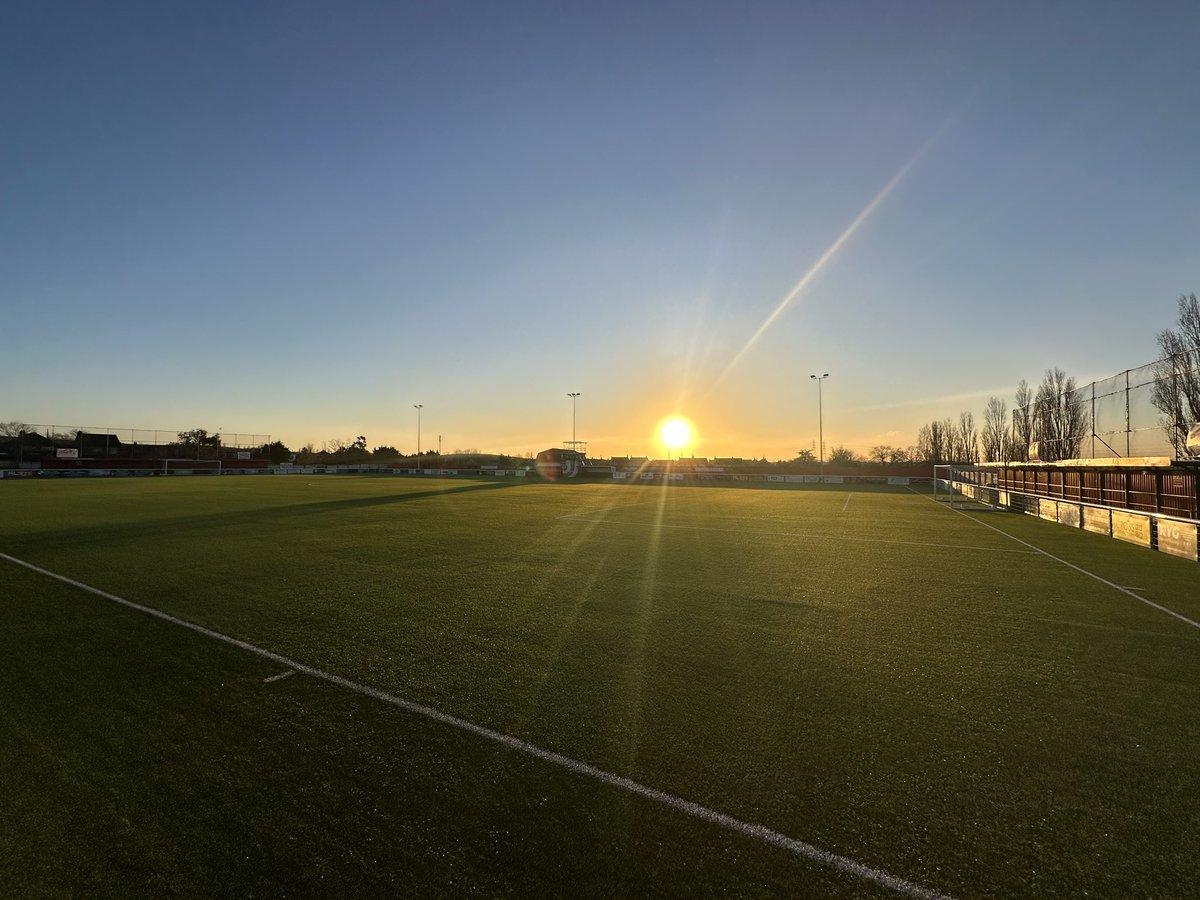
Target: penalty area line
<point>761,833</point>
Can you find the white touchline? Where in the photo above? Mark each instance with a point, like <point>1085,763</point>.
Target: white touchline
<point>279,677</point>
<point>847,503</point>
<point>1080,569</point>
<point>794,534</point>
<point>749,829</point>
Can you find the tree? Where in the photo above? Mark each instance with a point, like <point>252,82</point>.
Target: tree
<point>1176,389</point>
<point>966,439</point>
<point>950,448</point>
<point>1059,417</point>
<point>925,444</point>
<point>881,453</point>
<point>1022,421</point>
<point>200,438</point>
<point>12,429</point>
<point>385,452</point>
<point>805,456</point>
<point>276,452</point>
<point>995,431</point>
<point>842,455</point>
<point>196,440</point>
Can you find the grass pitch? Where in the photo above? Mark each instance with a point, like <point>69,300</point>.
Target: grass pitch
<point>862,670</point>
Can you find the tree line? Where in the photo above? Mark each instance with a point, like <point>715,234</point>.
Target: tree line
<point>1052,421</point>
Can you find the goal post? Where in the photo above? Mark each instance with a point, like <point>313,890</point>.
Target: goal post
<point>943,484</point>
<point>961,493</point>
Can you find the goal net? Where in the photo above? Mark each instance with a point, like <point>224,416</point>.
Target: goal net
<point>960,493</point>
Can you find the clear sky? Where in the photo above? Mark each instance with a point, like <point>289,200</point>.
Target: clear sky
<point>301,219</point>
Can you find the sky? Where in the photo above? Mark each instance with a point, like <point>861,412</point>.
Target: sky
<point>301,219</point>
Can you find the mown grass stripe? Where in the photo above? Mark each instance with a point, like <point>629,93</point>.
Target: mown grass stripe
<point>696,810</point>
<point>791,534</point>
<point>1080,569</point>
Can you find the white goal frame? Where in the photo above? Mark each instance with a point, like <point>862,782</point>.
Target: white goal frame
<point>957,499</point>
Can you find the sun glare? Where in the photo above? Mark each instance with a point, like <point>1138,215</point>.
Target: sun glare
<point>675,432</point>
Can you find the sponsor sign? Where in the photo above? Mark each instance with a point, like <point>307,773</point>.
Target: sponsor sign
<point>243,454</point>
<point>1131,527</point>
<point>893,479</point>
<point>66,454</point>
<point>1177,538</point>
<point>1097,520</point>
<point>834,479</point>
<point>1069,514</point>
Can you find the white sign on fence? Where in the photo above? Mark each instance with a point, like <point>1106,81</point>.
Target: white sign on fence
<point>62,453</point>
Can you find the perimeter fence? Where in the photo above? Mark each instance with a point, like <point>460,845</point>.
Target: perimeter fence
<point>1144,411</point>
<point>23,443</point>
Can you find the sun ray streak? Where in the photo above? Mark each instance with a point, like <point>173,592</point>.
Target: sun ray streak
<point>831,251</point>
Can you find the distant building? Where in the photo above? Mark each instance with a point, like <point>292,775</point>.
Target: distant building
<point>558,463</point>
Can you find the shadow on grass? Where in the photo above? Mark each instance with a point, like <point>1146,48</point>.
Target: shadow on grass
<point>86,535</point>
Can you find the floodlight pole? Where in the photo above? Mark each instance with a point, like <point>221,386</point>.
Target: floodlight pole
<point>574,396</point>
<point>417,407</point>
<point>820,420</point>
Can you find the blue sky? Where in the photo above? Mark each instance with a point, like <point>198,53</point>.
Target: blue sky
<point>301,219</point>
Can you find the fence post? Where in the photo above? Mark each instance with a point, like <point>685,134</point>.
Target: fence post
<point>1093,428</point>
<point>1128,451</point>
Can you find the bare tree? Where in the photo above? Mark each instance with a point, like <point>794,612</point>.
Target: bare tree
<point>925,444</point>
<point>1059,416</point>
<point>995,431</point>
<point>842,455</point>
<point>880,453</point>
<point>938,442</point>
<point>1022,421</point>
<point>1176,390</point>
<point>12,429</point>
<point>951,442</point>
<point>967,439</point>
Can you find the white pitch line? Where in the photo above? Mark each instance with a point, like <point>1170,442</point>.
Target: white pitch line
<point>1080,569</point>
<point>712,816</point>
<point>279,677</point>
<point>847,503</point>
<point>796,534</point>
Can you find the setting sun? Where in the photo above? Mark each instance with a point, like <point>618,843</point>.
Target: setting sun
<point>675,432</point>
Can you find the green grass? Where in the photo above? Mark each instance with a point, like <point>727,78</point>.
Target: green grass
<point>862,670</point>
